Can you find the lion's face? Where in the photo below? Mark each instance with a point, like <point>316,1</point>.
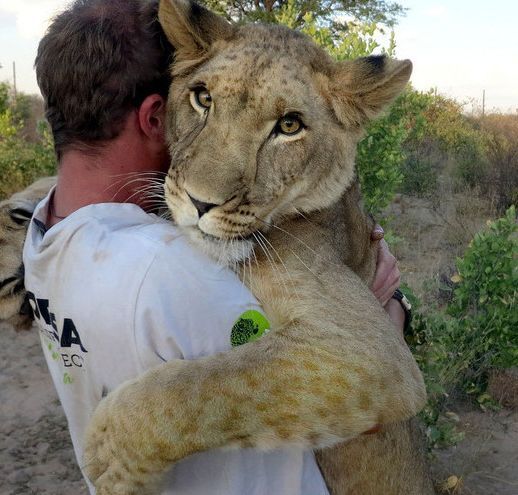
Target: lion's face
<point>14,218</point>
<point>15,215</point>
<point>263,125</point>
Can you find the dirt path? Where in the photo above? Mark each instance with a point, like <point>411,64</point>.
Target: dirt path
<point>36,455</point>
<point>486,461</point>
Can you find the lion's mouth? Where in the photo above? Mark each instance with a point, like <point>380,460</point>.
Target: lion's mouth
<point>250,237</point>
<point>225,250</point>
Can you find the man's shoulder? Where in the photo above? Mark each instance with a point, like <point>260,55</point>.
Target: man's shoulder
<point>121,244</point>
<point>104,239</point>
<point>124,226</point>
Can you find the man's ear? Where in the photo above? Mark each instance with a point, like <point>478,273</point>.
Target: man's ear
<point>151,117</point>
<point>360,89</point>
<point>191,28</point>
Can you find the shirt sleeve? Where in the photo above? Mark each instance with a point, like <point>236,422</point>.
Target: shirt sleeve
<point>187,307</point>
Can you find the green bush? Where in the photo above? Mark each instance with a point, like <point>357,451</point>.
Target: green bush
<point>457,347</point>
<point>502,153</point>
<point>379,160</point>
<point>485,301</point>
<point>22,161</point>
<point>419,176</point>
<point>26,154</point>
<point>382,153</point>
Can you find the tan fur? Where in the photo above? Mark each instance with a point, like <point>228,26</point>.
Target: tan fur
<point>333,366</point>
<point>15,214</point>
<point>391,462</point>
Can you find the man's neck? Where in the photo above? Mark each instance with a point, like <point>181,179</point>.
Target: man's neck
<point>121,171</point>
<point>112,176</point>
<point>86,179</point>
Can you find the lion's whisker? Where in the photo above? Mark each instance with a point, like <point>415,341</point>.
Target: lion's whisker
<point>317,255</point>
<point>150,179</point>
<point>272,263</point>
<point>280,259</point>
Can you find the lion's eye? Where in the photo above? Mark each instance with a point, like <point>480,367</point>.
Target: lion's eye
<point>289,125</point>
<point>201,98</point>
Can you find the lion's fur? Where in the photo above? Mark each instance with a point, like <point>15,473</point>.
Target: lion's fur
<point>15,213</point>
<point>333,366</point>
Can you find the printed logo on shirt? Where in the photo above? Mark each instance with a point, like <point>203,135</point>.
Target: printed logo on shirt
<point>64,342</point>
<point>250,326</point>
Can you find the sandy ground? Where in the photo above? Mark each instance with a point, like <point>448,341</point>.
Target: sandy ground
<point>486,461</point>
<point>36,456</point>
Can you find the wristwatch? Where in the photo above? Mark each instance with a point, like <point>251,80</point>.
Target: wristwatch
<point>407,308</point>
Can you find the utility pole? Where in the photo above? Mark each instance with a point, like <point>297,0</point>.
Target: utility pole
<point>483,103</point>
<point>14,79</point>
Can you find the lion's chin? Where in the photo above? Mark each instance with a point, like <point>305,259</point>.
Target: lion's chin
<point>226,252</point>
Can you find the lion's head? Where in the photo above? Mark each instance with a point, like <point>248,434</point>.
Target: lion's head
<point>15,214</point>
<point>262,124</point>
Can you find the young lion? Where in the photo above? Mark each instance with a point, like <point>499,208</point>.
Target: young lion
<point>263,130</point>
<point>15,214</point>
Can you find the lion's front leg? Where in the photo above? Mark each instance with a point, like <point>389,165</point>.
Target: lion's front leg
<point>301,385</point>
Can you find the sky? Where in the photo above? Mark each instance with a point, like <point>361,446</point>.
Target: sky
<point>460,47</point>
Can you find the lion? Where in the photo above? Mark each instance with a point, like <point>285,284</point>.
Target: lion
<point>15,214</point>
<point>263,126</point>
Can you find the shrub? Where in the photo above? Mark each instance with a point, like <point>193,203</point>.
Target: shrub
<point>457,347</point>
<point>22,161</point>
<point>502,153</point>
<point>445,133</point>
<point>420,175</point>
<point>379,160</point>
<point>26,148</point>
<point>484,302</point>
<point>382,153</point>
<point>478,329</point>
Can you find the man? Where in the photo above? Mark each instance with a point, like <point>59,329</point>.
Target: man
<point>116,290</point>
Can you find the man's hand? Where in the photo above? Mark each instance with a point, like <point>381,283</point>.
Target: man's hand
<point>387,279</point>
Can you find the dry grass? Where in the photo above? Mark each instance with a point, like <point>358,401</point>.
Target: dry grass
<point>435,231</point>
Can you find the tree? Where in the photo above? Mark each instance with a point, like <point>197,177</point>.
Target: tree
<point>325,12</point>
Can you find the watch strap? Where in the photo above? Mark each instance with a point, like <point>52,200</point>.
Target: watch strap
<point>407,308</point>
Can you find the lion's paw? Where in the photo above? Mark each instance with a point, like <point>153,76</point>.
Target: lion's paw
<point>118,456</point>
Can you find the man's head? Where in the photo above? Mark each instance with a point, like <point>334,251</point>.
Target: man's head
<point>98,61</point>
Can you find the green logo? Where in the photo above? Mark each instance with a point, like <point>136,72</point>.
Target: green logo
<point>53,353</point>
<point>67,379</point>
<point>250,326</point>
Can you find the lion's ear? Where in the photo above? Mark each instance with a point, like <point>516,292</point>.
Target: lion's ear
<point>191,28</point>
<point>360,89</point>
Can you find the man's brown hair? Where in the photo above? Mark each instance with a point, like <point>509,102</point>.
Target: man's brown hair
<point>97,61</point>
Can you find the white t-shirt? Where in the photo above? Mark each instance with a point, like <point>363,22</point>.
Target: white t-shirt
<point>116,291</point>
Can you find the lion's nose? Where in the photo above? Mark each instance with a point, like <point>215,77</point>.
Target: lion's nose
<point>201,206</point>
